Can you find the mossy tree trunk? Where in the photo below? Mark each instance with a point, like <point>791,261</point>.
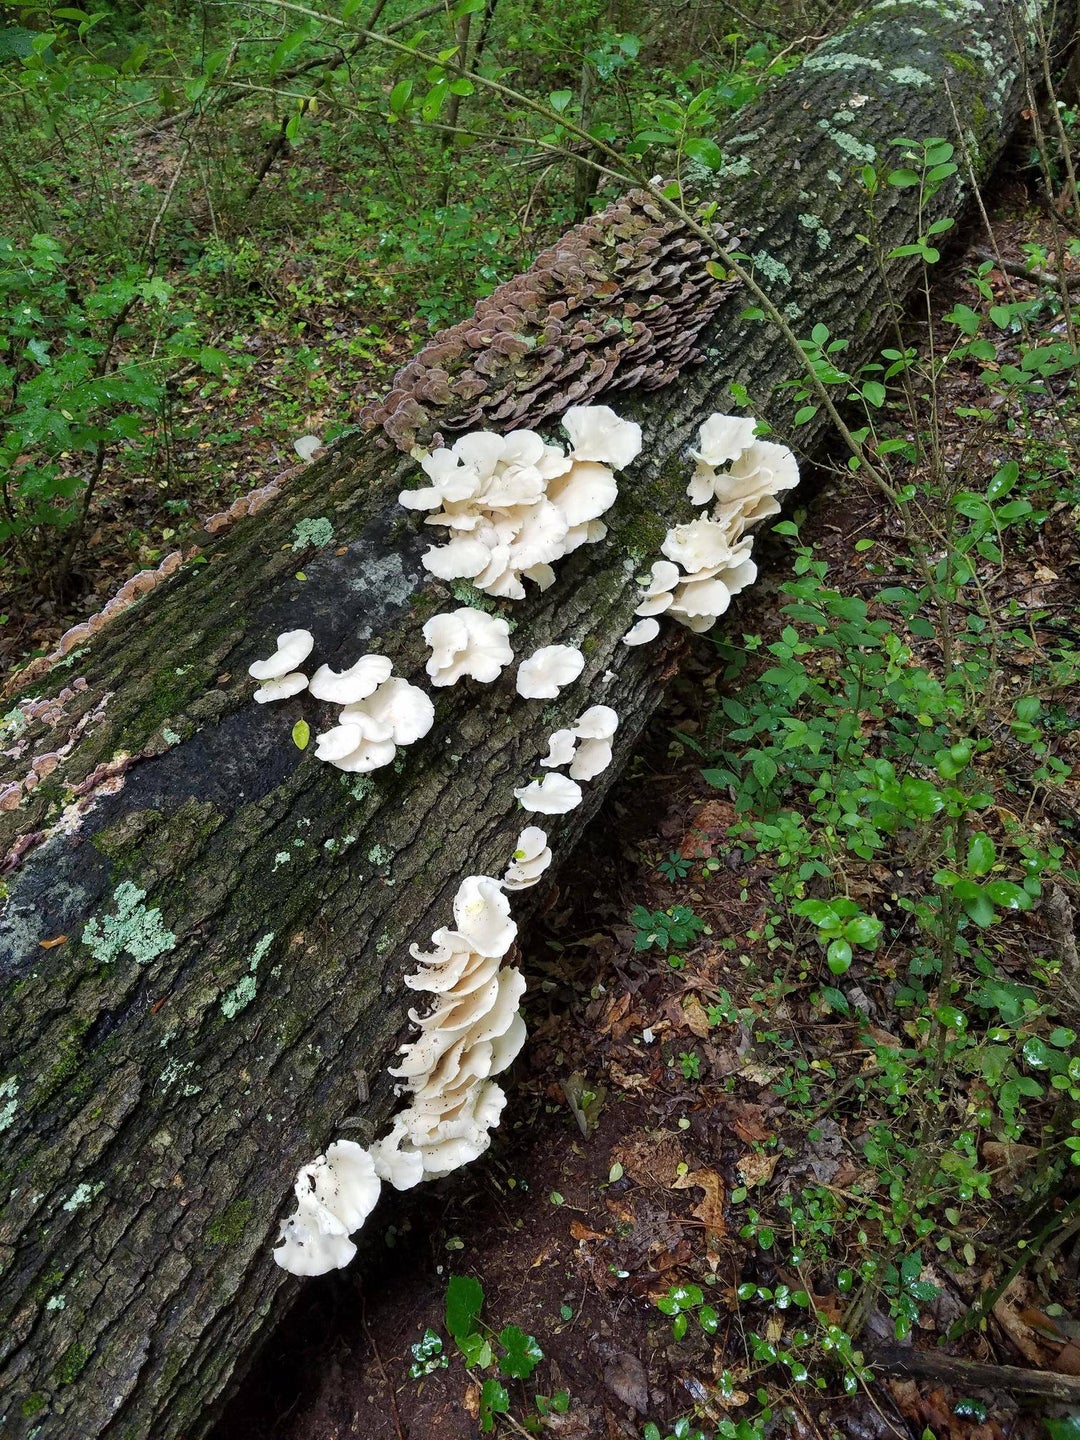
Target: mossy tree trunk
<point>205,928</point>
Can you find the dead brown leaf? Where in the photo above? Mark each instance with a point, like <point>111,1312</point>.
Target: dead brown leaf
<point>757,1169</point>
<point>710,1211</point>
<point>582,1232</point>
<point>51,944</point>
<point>695,1018</point>
<point>650,1157</point>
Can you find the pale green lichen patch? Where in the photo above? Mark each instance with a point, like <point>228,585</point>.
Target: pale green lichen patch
<point>865,154</point>
<point>377,855</point>
<point>318,532</point>
<point>243,992</point>
<point>360,788</point>
<point>9,1103</point>
<point>82,1195</point>
<point>240,996</point>
<point>908,75</point>
<point>821,236</point>
<point>839,60</point>
<point>774,270</point>
<point>56,1302</point>
<point>133,929</point>
<point>12,724</point>
<point>170,736</point>
<point>261,947</point>
<point>282,858</point>
<point>175,1073</point>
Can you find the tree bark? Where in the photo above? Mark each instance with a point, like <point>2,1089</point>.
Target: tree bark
<point>205,928</point>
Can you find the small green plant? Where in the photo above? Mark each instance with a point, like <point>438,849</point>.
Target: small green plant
<point>510,1354</point>
<point>667,930</point>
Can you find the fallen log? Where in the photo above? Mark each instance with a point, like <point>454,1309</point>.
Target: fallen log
<point>205,929</point>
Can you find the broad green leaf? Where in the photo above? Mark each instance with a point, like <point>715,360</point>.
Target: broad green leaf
<point>523,1354</point>
<point>301,734</point>
<point>464,1301</point>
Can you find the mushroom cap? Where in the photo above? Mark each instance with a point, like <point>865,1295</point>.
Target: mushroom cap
<point>698,544</point>
<point>345,1182</point>
<point>280,688</point>
<point>723,438</point>
<point>306,1248</point>
<point>641,633</point>
<point>561,747</point>
<point>599,722</point>
<point>553,795</point>
<point>548,670</point>
<point>399,1166</point>
<point>482,915</point>
<point>592,758</point>
<point>293,648</point>
<point>522,876</point>
<point>365,755</point>
<point>467,642</point>
<point>531,843</point>
<point>763,466</point>
<point>505,1048</point>
<point>306,446</point>
<point>701,597</point>
<point>345,687</point>
<point>584,493</point>
<point>597,433</point>
<point>404,709</point>
<point>461,559</point>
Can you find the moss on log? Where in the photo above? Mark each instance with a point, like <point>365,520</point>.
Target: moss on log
<point>204,929</point>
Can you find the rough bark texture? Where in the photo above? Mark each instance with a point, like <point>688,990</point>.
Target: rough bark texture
<point>205,928</point>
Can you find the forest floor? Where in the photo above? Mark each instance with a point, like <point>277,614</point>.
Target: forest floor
<point>667,1145</point>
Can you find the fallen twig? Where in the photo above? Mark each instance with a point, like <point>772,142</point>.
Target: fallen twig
<point>974,1375</point>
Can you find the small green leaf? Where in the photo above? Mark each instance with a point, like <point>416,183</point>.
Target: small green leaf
<point>301,734</point>
<point>981,854</point>
<point>838,957</point>
<point>560,99</point>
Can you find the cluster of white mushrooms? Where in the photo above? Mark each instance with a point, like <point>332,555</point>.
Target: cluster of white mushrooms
<point>708,560</point>
<point>513,505</point>
<point>472,1033</point>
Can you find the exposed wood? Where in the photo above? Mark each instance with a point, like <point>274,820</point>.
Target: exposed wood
<point>249,908</point>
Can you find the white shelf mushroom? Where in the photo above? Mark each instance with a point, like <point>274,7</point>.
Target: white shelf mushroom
<point>549,670</point>
<point>467,642</point>
<point>594,730</point>
<point>641,633</point>
<point>482,915</point>
<point>348,686</point>
<point>532,856</point>
<point>514,505</point>
<point>279,673</point>
<point>562,746</point>
<point>334,1194</point>
<point>553,795</point>
<point>395,713</point>
<point>597,433</point>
